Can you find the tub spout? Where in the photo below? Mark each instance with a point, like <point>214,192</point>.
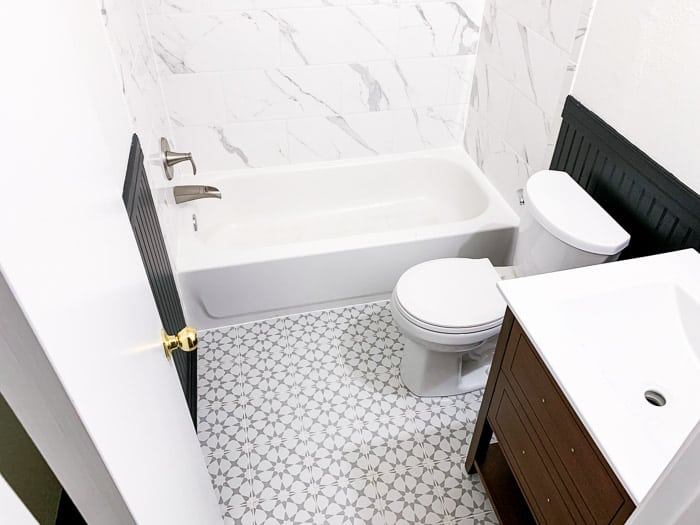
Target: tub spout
<point>194,192</point>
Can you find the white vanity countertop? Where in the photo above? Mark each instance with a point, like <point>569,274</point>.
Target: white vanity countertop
<point>608,334</point>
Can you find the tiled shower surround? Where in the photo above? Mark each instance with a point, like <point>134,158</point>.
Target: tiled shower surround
<point>304,419</point>
<point>127,30</point>
<point>528,53</point>
<point>271,82</point>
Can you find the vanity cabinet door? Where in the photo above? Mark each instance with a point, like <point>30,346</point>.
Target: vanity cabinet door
<point>587,477</point>
<point>549,504</point>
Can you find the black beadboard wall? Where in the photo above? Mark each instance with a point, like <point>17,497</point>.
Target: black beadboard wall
<point>660,212</point>
<point>149,237</point>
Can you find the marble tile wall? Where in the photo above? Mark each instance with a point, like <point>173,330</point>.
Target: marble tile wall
<point>128,34</point>
<point>528,53</point>
<point>253,83</point>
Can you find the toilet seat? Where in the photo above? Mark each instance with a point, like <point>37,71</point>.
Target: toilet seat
<point>451,296</point>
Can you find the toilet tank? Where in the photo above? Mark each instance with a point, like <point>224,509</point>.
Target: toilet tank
<point>563,227</point>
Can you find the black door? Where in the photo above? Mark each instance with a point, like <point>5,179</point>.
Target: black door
<point>149,237</point>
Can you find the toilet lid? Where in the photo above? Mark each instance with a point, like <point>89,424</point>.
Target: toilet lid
<point>452,294</point>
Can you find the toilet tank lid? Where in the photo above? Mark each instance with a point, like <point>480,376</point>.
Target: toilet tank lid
<point>565,210</point>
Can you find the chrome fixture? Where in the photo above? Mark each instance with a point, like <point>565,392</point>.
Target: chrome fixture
<point>192,193</point>
<point>521,196</point>
<point>170,158</point>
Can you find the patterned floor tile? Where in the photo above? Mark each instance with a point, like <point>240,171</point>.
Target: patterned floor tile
<point>280,465</point>
<point>217,345</point>
<point>483,519</point>
<point>220,383</point>
<point>398,449</point>
<point>327,410</point>
<point>271,417</point>
<point>231,477</point>
<point>336,458</point>
<point>221,428</point>
<point>411,497</point>
<point>305,419</point>
<point>464,495</point>
<point>356,502</point>
<point>288,509</point>
<point>262,376</point>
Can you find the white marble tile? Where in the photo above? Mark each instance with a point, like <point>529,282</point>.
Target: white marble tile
<point>195,43</point>
<point>204,6</point>
<point>374,86</point>
<point>546,70</point>
<point>259,94</point>
<point>555,20</point>
<point>439,28</point>
<point>579,37</point>
<point>175,6</point>
<point>461,71</point>
<point>195,99</point>
<point>245,145</point>
<point>491,96</point>
<point>527,59</point>
<point>508,52</point>
<point>427,79</point>
<point>532,64</point>
<point>311,73</point>
<point>127,31</point>
<point>331,35</point>
<point>337,137</point>
<point>528,132</point>
<point>405,83</point>
<point>504,168</point>
<point>432,127</point>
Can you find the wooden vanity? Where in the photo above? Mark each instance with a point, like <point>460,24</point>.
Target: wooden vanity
<point>544,467</point>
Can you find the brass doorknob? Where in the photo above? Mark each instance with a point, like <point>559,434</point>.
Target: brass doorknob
<point>186,340</point>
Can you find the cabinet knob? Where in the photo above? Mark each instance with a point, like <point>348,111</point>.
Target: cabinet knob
<point>543,401</point>
<point>572,450</point>
<point>523,452</point>
<point>547,500</point>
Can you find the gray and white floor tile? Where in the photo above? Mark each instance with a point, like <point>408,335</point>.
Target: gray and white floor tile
<point>304,420</point>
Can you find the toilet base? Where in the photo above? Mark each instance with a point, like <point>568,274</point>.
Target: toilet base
<point>430,373</point>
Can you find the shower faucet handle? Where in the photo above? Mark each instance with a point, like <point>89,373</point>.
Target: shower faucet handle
<point>170,158</point>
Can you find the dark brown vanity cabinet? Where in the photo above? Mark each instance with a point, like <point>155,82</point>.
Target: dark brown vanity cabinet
<point>544,467</point>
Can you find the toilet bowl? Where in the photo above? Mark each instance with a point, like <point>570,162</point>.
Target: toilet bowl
<point>450,335</point>
<point>450,310</point>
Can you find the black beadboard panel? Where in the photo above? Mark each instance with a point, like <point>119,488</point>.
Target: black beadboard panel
<point>149,238</point>
<point>660,212</point>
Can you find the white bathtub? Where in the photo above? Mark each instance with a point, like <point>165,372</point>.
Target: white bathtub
<point>298,238</point>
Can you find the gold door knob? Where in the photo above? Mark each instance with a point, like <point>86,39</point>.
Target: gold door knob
<point>186,340</point>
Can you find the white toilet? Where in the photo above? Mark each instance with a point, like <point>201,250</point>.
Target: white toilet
<point>450,311</point>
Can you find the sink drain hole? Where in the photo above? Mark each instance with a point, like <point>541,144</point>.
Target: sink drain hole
<point>655,398</point>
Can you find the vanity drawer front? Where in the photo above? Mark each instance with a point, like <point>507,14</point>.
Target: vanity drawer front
<point>599,494</point>
<point>525,459</point>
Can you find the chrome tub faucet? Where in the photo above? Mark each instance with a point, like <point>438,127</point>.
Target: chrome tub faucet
<point>194,192</point>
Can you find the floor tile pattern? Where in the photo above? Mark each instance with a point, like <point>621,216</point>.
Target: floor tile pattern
<point>304,420</point>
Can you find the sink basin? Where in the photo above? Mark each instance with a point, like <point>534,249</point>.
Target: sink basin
<point>642,338</point>
<point>623,341</point>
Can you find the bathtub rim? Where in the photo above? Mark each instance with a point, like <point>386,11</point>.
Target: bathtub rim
<point>498,215</point>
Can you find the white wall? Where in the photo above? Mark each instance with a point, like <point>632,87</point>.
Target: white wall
<point>640,72</point>
<point>267,82</point>
<point>528,53</point>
